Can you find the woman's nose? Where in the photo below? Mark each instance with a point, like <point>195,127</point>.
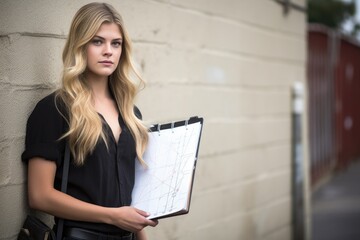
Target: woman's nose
<point>107,50</point>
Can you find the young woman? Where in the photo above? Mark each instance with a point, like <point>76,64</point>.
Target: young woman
<point>94,112</point>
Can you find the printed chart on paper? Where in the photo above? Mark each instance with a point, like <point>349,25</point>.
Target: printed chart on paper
<point>164,187</point>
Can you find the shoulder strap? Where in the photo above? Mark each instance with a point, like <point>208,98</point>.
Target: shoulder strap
<point>64,181</point>
<point>65,173</point>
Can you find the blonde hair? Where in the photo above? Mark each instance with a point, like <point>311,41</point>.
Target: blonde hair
<point>85,125</point>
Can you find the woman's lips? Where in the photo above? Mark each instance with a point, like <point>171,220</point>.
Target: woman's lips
<point>106,62</point>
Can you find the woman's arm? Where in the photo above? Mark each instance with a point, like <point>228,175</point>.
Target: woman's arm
<point>43,196</point>
<point>141,235</point>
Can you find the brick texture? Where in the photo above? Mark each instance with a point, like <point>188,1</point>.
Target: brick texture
<point>231,62</point>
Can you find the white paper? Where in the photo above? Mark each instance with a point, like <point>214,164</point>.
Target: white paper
<point>164,187</point>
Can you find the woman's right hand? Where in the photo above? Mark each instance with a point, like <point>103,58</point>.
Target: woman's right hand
<point>43,196</point>
<point>131,219</point>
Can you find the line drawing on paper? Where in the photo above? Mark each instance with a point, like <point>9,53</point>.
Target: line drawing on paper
<point>166,183</point>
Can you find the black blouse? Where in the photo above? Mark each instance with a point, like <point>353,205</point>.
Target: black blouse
<point>106,178</point>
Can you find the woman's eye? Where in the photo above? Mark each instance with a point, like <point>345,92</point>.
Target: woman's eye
<point>96,42</point>
<point>117,44</point>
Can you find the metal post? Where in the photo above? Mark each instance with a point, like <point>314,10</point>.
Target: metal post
<point>297,163</point>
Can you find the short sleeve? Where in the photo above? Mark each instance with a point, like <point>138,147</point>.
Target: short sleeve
<point>44,128</point>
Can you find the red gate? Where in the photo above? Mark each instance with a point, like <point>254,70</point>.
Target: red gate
<point>334,95</point>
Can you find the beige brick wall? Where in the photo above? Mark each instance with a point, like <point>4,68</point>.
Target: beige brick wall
<point>232,62</point>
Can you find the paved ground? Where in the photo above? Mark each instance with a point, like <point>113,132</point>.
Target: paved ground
<point>336,207</point>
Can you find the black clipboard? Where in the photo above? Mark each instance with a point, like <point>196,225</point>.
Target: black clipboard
<point>164,188</point>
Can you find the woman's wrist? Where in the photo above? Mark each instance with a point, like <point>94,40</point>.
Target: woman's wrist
<point>108,216</point>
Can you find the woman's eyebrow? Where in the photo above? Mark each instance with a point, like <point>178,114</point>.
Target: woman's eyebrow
<point>118,39</point>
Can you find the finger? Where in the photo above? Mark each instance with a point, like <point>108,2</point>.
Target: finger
<point>141,212</point>
<point>155,221</point>
<point>152,223</point>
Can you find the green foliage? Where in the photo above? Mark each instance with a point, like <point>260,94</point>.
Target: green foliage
<point>332,13</point>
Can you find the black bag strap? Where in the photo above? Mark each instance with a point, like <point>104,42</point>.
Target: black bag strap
<point>64,180</point>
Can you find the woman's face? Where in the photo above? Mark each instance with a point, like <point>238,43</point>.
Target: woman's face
<point>104,51</point>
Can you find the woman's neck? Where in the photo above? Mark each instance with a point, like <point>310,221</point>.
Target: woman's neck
<point>100,87</point>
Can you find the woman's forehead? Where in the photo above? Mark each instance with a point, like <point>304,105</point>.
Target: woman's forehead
<point>109,30</point>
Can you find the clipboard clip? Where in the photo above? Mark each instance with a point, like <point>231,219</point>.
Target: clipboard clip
<point>172,126</point>
<point>158,128</point>
<point>186,123</point>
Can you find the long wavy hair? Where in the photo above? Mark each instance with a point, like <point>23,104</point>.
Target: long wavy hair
<point>85,125</point>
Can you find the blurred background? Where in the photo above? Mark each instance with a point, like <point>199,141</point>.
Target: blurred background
<point>278,85</point>
<point>333,67</point>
